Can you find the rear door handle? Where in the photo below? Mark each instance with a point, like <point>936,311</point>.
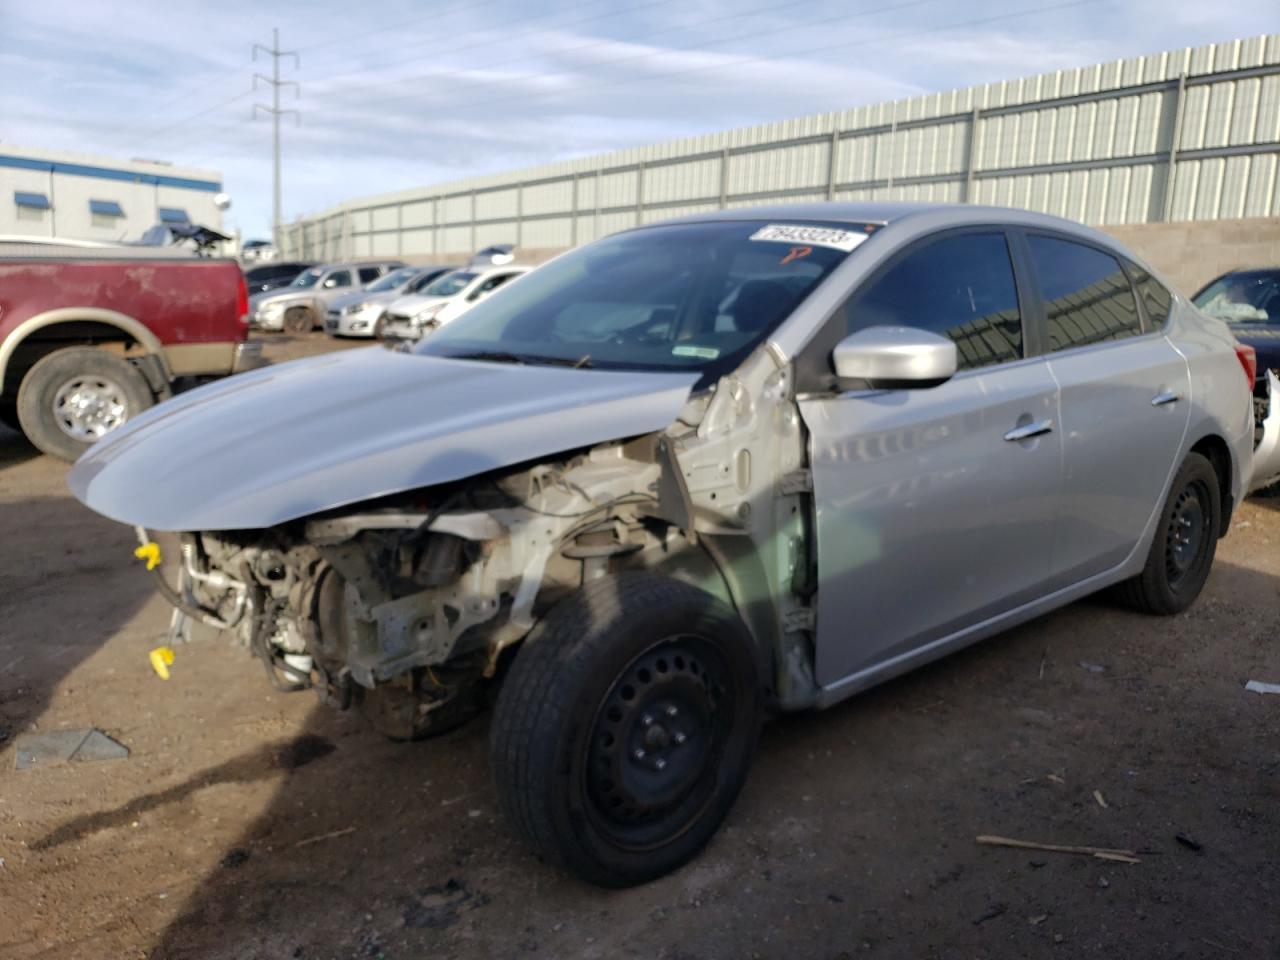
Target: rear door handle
<point>1029,431</point>
<point>1168,396</point>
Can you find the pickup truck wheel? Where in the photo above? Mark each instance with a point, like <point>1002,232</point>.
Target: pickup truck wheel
<point>298,320</point>
<point>626,726</point>
<point>76,396</point>
<point>1186,540</point>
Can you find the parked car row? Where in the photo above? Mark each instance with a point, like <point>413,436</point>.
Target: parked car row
<point>303,304</point>
<point>374,299</point>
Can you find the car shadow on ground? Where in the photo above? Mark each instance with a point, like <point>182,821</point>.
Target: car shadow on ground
<point>42,638</point>
<point>14,449</point>
<point>856,830</point>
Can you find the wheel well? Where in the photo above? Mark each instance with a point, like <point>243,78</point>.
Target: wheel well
<point>71,333</point>
<point>1214,449</point>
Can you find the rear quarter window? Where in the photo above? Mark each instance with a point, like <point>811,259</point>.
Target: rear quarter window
<point>1086,293</point>
<point>1155,296</point>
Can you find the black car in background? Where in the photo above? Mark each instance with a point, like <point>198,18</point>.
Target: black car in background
<point>1249,301</point>
<point>278,273</point>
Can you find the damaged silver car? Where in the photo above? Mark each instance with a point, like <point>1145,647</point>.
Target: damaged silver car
<point>749,461</point>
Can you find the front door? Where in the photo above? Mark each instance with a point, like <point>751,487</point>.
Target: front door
<point>934,507</point>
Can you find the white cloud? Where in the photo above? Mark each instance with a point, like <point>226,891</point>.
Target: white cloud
<point>497,84</point>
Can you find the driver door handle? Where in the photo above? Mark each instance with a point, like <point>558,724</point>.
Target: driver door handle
<point>1029,431</point>
<point>1167,396</point>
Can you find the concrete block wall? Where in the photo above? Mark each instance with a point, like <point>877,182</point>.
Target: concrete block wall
<point>1190,254</point>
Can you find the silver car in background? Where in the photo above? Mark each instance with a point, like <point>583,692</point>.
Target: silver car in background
<point>756,459</point>
<point>302,305</point>
<point>413,316</point>
<point>360,314</point>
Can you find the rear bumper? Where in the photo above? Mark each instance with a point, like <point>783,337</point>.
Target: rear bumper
<point>248,356</point>
<point>1266,455</point>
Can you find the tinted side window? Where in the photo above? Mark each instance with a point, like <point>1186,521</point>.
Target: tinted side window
<point>339,278</point>
<point>1087,296</point>
<point>961,287</point>
<point>369,274</point>
<point>1157,300</point>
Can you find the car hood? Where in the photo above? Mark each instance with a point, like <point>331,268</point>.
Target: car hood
<point>283,442</point>
<point>281,295</point>
<point>413,302</point>
<point>1245,332</point>
<point>361,296</point>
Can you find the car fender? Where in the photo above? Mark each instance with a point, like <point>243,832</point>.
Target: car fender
<point>126,324</point>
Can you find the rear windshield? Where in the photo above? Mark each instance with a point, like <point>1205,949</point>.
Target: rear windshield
<point>1243,298</point>
<point>694,296</point>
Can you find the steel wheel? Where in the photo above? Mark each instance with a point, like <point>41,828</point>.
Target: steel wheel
<point>656,740</point>
<point>1187,532</point>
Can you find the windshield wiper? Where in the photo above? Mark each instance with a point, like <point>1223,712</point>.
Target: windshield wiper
<point>504,356</point>
<point>493,356</point>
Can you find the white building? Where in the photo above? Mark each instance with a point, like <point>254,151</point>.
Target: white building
<point>46,193</point>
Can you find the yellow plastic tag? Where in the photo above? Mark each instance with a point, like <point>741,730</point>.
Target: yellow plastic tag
<point>149,552</point>
<point>161,658</point>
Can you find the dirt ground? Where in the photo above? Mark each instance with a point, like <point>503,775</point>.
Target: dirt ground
<point>250,824</point>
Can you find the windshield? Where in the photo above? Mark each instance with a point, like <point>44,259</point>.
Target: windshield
<point>449,284</point>
<point>308,278</point>
<point>424,279</point>
<point>695,296</point>
<point>392,280</point>
<point>1242,298</point>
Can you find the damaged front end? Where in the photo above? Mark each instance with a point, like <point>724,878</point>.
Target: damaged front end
<point>405,606</point>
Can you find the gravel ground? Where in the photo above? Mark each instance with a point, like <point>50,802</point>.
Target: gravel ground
<point>251,824</point>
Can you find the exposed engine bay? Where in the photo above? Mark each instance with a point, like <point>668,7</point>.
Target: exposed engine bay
<point>407,606</point>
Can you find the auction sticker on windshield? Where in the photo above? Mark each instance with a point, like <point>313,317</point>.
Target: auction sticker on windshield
<point>844,240</point>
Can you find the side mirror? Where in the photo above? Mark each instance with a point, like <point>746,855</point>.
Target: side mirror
<point>893,358</point>
<point>331,283</point>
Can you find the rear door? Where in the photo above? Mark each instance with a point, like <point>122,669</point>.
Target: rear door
<point>1125,402</point>
<point>934,507</point>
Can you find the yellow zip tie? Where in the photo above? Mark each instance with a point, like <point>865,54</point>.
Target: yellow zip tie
<point>161,658</point>
<point>149,552</point>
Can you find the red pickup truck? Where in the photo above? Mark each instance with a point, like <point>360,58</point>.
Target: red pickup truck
<point>91,336</point>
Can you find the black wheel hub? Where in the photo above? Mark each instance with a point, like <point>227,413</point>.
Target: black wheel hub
<point>656,736</point>
<point>1187,533</point>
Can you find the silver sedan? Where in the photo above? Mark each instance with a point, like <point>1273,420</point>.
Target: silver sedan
<point>747,461</point>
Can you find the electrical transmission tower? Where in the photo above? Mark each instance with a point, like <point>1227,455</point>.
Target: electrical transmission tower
<point>275,113</point>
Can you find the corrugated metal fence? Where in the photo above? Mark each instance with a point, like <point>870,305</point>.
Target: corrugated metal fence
<point>1188,134</point>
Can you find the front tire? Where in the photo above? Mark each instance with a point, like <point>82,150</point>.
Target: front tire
<point>1186,540</point>
<point>74,397</point>
<point>626,726</point>
<point>298,320</point>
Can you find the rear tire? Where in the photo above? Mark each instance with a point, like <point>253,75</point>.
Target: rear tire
<point>626,726</point>
<point>1185,542</point>
<point>75,396</point>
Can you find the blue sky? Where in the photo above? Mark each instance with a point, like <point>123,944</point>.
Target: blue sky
<point>399,94</point>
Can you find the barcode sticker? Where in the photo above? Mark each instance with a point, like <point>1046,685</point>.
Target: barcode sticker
<point>844,240</point>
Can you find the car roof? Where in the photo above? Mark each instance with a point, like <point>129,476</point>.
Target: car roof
<point>939,215</point>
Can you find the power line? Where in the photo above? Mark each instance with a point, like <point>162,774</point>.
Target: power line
<point>274,112</point>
